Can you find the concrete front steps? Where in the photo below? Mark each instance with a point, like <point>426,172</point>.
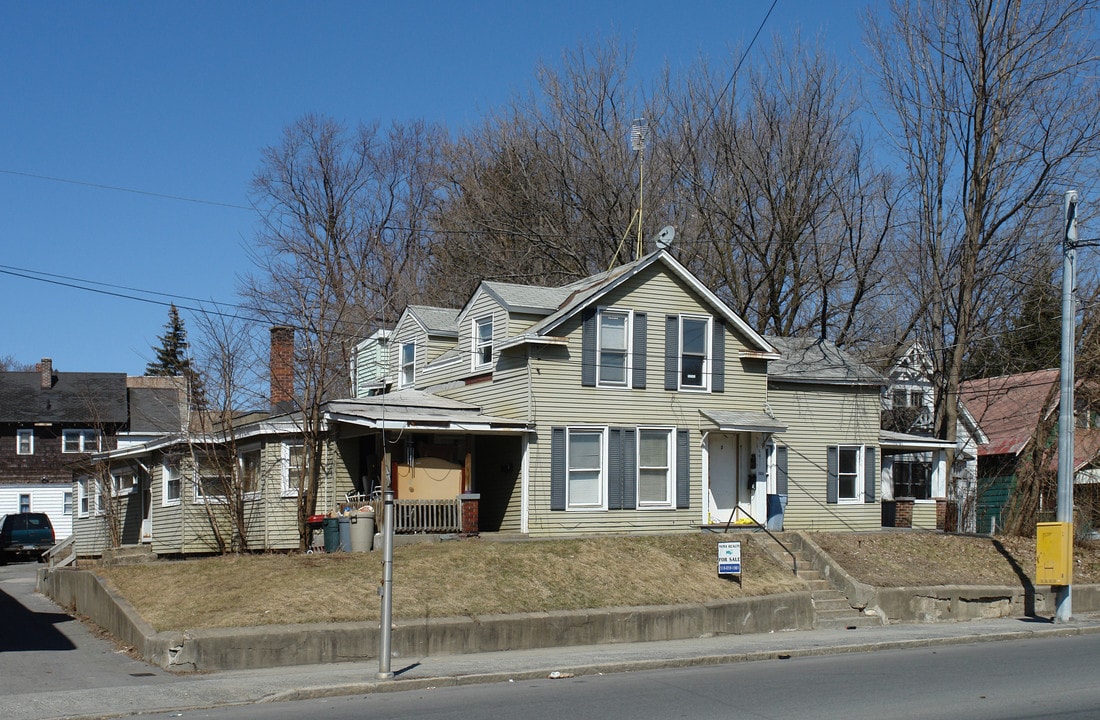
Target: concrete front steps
<point>832,609</point>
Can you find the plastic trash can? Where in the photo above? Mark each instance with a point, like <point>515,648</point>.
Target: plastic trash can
<point>362,531</point>
<point>345,533</point>
<point>776,505</point>
<point>332,534</point>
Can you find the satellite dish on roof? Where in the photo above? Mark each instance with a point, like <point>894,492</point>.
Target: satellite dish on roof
<point>665,237</point>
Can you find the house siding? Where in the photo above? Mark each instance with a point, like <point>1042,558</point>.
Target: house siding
<point>817,417</point>
<point>546,388</point>
<point>45,498</point>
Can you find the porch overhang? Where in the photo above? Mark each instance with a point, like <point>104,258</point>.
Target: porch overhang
<point>895,442</point>
<point>431,416</point>
<point>743,421</point>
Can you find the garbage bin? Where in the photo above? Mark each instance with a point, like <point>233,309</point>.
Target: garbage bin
<point>332,534</point>
<point>362,531</point>
<point>345,533</point>
<point>776,505</point>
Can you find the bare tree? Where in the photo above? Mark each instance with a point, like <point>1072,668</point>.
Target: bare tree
<point>791,216</point>
<point>223,475</point>
<point>341,248</point>
<point>545,190</point>
<point>991,104</point>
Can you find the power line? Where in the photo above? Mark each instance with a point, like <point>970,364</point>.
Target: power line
<point>134,191</point>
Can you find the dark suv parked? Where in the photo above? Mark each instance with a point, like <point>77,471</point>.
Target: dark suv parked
<point>25,536</point>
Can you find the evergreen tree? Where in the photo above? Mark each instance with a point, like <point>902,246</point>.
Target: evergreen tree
<point>172,360</point>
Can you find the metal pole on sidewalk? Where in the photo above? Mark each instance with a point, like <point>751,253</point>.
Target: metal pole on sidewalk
<point>386,626</point>
<point>1062,595</point>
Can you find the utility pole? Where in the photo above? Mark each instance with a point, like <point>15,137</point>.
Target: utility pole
<point>1062,598</point>
<point>385,629</point>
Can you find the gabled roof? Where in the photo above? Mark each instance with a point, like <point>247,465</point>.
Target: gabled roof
<point>819,361</point>
<point>1008,408</point>
<point>74,397</point>
<point>583,293</point>
<point>435,320</point>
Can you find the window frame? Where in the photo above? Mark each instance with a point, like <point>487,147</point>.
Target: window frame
<point>482,346</point>
<point>82,435</point>
<point>24,502</point>
<point>707,355</point>
<point>24,436</point>
<point>669,501</point>
<point>243,455</point>
<point>118,488</point>
<point>601,470</point>
<point>926,465</point>
<point>626,351</point>
<point>289,489</point>
<point>171,475</point>
<point>857,475</point>
<point>406,368</point>
<point>67,503</point>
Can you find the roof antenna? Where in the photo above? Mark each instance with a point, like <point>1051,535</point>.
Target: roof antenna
<point>639,131</point>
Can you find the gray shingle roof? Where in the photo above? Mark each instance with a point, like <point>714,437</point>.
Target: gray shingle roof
<point>154,410</point>
<point>814,360</point>
<point>84,398</point>
<point>527,298</point>
<point>436,320</point>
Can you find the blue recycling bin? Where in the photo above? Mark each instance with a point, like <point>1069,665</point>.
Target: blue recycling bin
<point>777,504</point>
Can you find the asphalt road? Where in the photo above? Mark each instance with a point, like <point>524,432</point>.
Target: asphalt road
<point>1043,678</point>
<point>43,648</point>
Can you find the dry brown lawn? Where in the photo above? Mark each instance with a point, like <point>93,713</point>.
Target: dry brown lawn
<point>469,577</point>
<point>904,559</point>
<point>480,577</point>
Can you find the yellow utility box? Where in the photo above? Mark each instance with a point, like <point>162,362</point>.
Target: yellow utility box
<point>1054,553</point>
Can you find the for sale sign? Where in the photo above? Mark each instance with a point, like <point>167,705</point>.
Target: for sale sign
<point>729,558</point>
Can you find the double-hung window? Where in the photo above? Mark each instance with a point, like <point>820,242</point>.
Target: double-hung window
<point>24,442</point>
<point>407,365</point>
<point>24,502</point>
<point>694,352</point>
<point>614,347</point>
<point>248,470</point>
<point>79,441</point>
<point>655,476</point>
<point>293,461</point>
<point>483,342</point>
<point>585,463</point>
<point>173,483</point>
<point>852,474</point>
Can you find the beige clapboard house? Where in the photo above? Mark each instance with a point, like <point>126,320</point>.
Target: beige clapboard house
<point>633,401</point>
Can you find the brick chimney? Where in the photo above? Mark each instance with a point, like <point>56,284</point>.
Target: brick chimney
<point>45,373</point>
<point>282,369</point>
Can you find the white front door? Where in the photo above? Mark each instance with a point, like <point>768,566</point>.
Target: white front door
<point>722,451</point>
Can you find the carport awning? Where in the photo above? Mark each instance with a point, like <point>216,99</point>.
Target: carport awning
<point>410,410</point>
<point>744,421</point>
<point>901,442</point>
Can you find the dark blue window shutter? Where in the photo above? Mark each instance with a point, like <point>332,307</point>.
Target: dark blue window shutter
<point>832,489</point>
<point>782,480</point>
<point>672,352</point>
<point>557,468</point>
<point>614,469</point>
<point>638,366</point>
<point>718,362</point>
<point>630,468</point>
<point>870,475</point>
<point>683,470</point>
<point>588,348</point>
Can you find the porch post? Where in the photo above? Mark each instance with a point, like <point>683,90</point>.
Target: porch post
<point>469,510</point>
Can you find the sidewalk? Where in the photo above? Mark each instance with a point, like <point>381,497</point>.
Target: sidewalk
<point>189,692</point>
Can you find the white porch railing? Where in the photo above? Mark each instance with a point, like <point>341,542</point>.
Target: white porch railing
<point>427,516</point>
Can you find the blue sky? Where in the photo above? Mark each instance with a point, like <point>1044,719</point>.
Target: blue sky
<point>130,130</point>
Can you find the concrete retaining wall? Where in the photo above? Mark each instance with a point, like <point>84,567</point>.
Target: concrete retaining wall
<point>945,603</point>
<point>279,645</point>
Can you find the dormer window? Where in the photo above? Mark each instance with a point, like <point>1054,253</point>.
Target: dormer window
<point>483,342</point>
<point>407,370</point>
